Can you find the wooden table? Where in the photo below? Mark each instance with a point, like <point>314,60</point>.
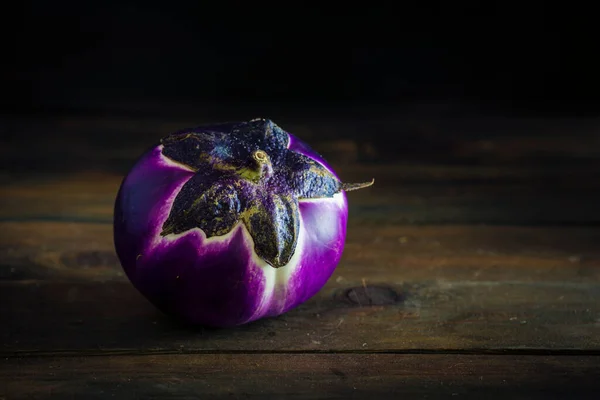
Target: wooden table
<point>471,270</point>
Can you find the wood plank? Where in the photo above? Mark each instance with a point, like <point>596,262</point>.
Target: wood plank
<point>301,376</point>
<point>451,287</point>
<point>71,252</point>
<point>96,318</point>
<point>554,199</point>
<point>458,288</point>
<point>387,135</point>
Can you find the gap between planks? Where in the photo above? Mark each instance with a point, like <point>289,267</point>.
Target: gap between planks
<point>465,352</point>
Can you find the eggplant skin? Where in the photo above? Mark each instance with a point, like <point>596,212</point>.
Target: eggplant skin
<point>219,281</point>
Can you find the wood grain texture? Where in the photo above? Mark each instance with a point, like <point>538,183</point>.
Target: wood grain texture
<point>398,135</point>
<point>429,168</point>
<point>301,376</point>
<point>457,287</point>
<point>420,197</point>
<point>463,316</point>
<point>471,269</point>
<point>72,251</point>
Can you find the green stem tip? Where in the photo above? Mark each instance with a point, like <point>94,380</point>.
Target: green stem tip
<point>355,186</point>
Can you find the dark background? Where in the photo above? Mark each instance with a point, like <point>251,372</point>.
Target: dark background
<point>174,57</point>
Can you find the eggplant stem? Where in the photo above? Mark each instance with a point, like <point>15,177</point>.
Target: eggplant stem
<point>355,186</point>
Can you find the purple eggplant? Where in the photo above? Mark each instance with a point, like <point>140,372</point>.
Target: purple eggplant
<point>224,224</point>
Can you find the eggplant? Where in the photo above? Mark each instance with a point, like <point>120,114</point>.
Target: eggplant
<point>224,224</point>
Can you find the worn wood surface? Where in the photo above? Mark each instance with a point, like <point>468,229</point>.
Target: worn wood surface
<point>455,199</point>
<point>302,376</point>
<point>453,287</point>
<point>471,268</point>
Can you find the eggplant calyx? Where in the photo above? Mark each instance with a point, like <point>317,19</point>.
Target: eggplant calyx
<point>246,172</point>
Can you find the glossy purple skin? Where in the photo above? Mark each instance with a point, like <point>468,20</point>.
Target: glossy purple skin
<point>219,282</point>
